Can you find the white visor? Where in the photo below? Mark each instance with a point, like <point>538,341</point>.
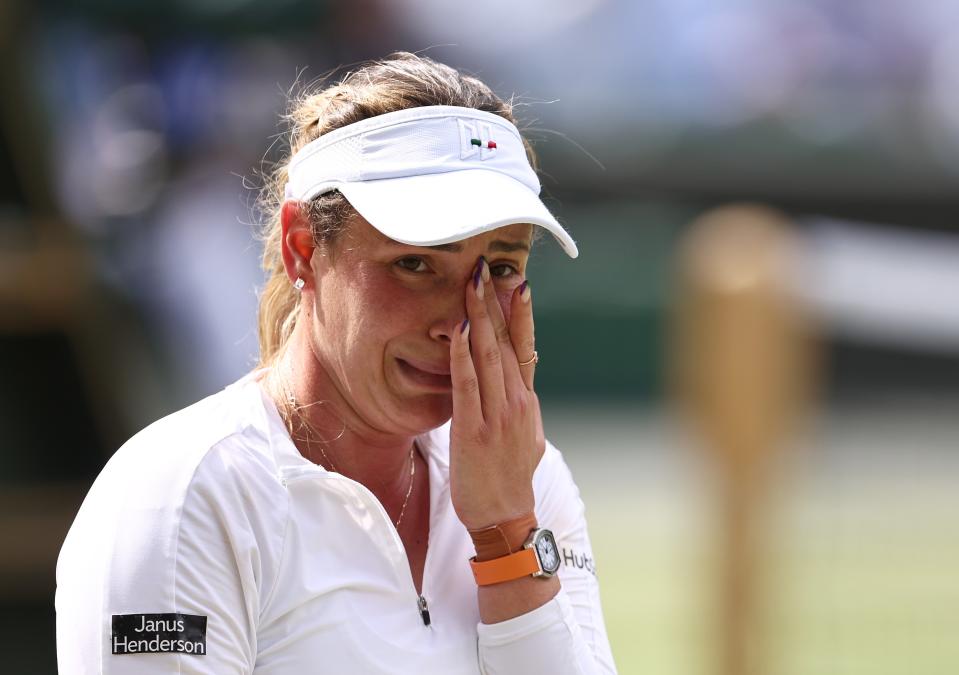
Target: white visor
<point>429,175</point>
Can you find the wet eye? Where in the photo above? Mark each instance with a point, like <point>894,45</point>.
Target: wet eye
<point>412,264</point>
<point>502,270</point>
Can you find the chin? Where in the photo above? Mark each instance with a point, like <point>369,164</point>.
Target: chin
<point>428,412</point>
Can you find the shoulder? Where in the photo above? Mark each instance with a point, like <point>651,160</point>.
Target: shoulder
<point>207,467</point>
<point>188,516</point>
<point>217,438</point>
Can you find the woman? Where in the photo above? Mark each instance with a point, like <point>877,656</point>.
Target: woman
<point>378,496</point>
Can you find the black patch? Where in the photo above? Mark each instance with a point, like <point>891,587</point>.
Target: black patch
<point>157,633</point>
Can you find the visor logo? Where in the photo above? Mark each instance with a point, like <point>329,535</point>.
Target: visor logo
<point>476,140</point>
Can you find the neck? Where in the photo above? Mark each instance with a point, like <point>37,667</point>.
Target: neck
<point>328,431</point>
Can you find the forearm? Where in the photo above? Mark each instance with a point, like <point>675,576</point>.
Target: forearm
<point>547,639</point>
<point>499,602</point>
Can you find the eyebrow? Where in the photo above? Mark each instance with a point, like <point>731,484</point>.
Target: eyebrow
<point>498,245</point>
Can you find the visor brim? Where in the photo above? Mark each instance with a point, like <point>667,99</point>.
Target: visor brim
<point>440,208</point>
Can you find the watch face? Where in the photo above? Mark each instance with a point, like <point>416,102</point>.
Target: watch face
<point>548,553</point>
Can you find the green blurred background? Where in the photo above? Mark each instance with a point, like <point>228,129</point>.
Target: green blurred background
<point>130,134</point>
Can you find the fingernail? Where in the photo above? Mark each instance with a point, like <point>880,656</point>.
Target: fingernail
<point>524,291</point>
<point>485,267</point>
<point>465,327</point>
<point>477,286</point>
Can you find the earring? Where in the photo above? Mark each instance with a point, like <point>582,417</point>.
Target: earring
<point>299,284</point>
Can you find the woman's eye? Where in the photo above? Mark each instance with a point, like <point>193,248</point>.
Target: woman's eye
<point>412,264</point>
<point>502,270</point>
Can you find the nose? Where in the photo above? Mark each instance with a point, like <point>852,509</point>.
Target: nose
<point>446,324</point>
<point>450,311</point>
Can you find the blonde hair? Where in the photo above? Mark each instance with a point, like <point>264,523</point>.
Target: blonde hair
<point>401,80</point>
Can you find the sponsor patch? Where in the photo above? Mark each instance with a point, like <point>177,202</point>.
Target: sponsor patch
<point>157,633</point>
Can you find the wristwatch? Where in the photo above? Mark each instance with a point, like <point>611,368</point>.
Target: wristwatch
<point>539,557</point>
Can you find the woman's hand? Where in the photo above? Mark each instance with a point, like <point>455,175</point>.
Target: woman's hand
<point>496,436</point>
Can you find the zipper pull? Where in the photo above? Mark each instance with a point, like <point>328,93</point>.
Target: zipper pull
<point>424,610</point>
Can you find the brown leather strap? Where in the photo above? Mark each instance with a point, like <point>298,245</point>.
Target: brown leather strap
<point>502,539</point>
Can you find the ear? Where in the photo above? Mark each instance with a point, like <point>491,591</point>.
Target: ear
<point>297,242</point>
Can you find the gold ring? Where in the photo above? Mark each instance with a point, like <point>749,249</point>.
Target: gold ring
<point>533,360</point>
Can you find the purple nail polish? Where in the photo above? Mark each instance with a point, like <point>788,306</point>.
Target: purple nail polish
<point>522,286</point>
<point>464,326</point>
<point>476,277</point>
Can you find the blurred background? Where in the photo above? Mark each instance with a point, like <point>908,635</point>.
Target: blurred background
<point>130,134</point>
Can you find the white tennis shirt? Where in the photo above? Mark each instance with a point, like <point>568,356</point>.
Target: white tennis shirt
<point>209,544</point>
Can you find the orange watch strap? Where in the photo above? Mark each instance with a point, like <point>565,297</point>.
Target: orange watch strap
<point>514,566</point>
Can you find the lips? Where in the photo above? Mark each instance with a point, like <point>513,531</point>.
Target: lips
<point>430,375</point>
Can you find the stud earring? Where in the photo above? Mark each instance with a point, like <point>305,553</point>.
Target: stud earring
<point>299,284</point>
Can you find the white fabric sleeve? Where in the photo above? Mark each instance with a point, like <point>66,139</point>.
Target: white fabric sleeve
<point>567,634</point>
<point>159,541</point>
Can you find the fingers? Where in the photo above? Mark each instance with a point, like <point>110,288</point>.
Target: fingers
<point>486,353</point>
<point>521,332</point>
<point>513,381</point>
<point>466,390</point>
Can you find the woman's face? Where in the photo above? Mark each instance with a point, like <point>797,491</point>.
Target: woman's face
<point>385,313</point>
